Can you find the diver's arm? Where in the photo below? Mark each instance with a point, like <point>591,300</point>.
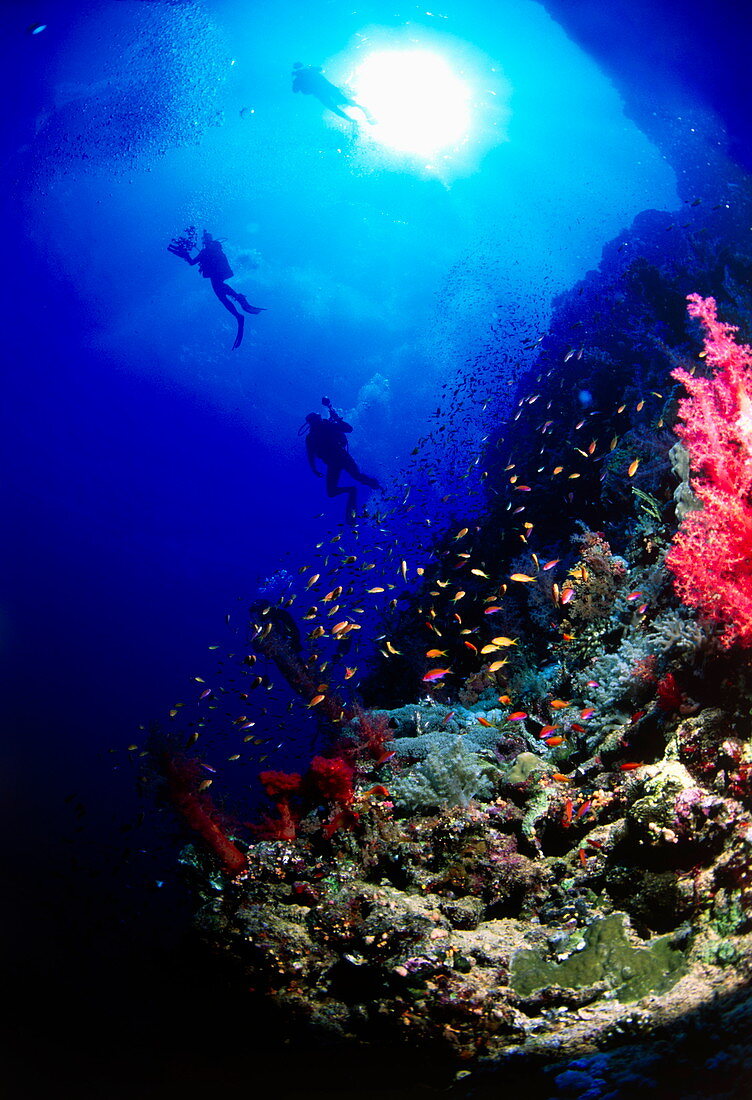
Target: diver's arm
<point>337,419</point>
<point>312,458</point>
<point>183,253</point>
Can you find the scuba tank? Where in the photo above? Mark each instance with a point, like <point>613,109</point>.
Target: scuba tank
<point>212,262</point>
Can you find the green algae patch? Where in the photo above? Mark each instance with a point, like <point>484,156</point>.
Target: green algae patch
<point>606,956</point>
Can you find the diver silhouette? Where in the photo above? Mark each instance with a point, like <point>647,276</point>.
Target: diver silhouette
<point>326,441</point>
<point>310,80</point>
<point>213,265</point>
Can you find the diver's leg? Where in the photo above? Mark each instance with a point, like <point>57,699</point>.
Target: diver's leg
<point>333,488</point>
<point>352,468</point>
<point>350,506</point>
<point>242,300</point>
<point>335,109</point>
<point>222,290</point>
<point>366,113</point>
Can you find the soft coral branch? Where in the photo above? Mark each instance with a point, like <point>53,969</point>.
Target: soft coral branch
<point>711,556</point>
<point>197,810</point>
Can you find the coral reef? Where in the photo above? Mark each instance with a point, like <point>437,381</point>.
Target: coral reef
<point>539,844</point>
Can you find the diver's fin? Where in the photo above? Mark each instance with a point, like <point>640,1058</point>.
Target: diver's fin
<point>241,298</point>
<point>239,337</point>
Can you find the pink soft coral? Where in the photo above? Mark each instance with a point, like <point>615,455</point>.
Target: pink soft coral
<point>711,557</point>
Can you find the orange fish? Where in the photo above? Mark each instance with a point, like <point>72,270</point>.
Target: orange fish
<point>551,564</point>
<point>496,665</point>
<point>522,577</point>
<point>516,716</point>
<point>547,731</point>
<point>483,721</point>
<point>629,767</point>
<point>552,742</point>
<point>505,699</point>
<point>558,704</point>
<point>316,700</point>
<point>436,653</point>
<point>633,467</point>
<point>435,674</point>
<point>350,672</point>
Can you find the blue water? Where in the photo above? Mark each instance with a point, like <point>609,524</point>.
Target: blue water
<point>154,476</point>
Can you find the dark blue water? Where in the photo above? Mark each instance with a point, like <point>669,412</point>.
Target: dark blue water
<point>154,477</point>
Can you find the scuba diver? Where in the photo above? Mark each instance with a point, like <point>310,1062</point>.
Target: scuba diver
<point>310,80</point>
<point>326,441</point>
<point>213,264</point>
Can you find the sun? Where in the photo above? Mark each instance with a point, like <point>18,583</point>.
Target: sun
<point>418,104</point>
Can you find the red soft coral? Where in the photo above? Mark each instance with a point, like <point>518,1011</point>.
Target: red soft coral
<point>333,777</point>
<point>280,786</point>
<point>196,808</point>
<point>711,556</point>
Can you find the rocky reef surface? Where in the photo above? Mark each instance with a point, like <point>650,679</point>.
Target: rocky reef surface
<point>544,915</point>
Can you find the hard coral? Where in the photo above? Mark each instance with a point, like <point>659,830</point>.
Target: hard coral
<point>711,556</point>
